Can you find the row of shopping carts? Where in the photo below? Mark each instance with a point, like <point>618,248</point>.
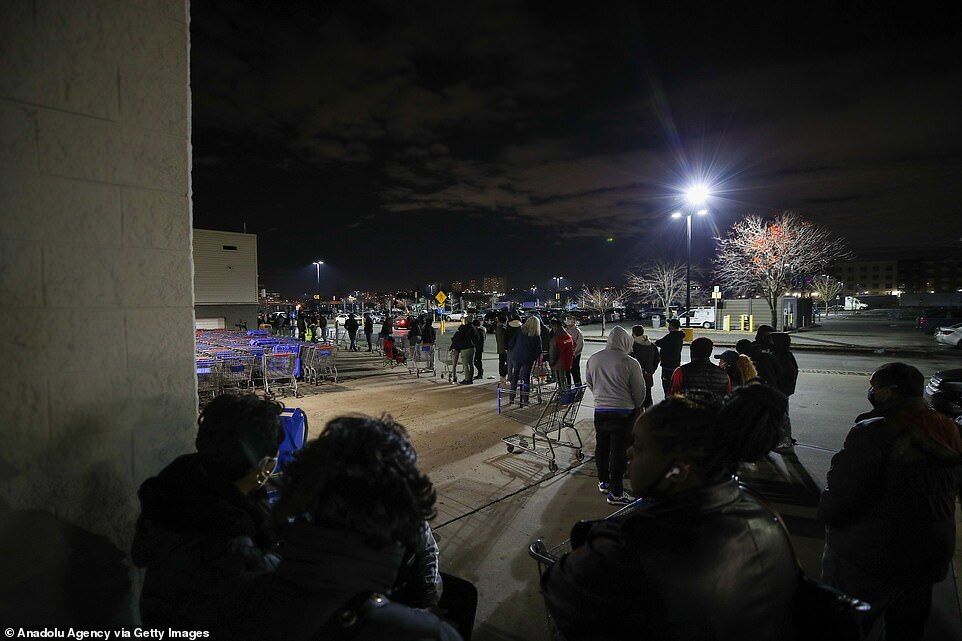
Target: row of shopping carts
<point>229,361</point>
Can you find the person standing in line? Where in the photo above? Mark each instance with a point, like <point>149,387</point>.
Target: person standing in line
<point>739,368</point>
<point>301,326</point>
<point>701,375</point>
<point>462,344</point>
<point>480,334</point>
<point>787,378</point>
<point>501,342</point>
<point>351,326</point>
<point>428,335</point>
<point>765,364</point>
<point>511,331</point>
<point>618,385</point>
<point>525,350</point>
<point>561,354</point>
<point>670,345</point>
<point>387,326</point>
<point>322,326</point>
<point>889,504</point>
<point>414,334</point>
<point>646,353</point>
<point>579,341</point>
<point>368,329</point>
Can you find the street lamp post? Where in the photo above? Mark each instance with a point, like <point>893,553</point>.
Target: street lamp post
<point>317,264</point>
<point>696,195</point>
<point>557,288</point>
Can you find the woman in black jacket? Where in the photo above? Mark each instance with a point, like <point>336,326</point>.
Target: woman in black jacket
<point>203,520</point>
<point>701,560</point>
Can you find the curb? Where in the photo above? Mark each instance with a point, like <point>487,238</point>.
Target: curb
<point>829,349</point>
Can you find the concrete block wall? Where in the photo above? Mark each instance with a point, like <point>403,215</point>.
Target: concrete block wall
<point>96,294</point>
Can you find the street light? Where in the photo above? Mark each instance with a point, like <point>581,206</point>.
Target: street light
<point>695,195</point>
<point>317,264</point>
<point>557,288</point>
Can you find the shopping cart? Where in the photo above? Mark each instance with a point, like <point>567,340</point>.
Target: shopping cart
<point>208,383</point>
<point>546,557</point>
<point>279,373</point>
<point>325,362</point>
<point>447,364</point>
<point>546,422</point>
<point>540,378</point>
<point>421,360</point>
<point>236,372</point>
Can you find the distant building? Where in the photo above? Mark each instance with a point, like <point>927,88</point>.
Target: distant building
<point>937,275</point>
<point>473,284</point>
<point>493,284</point>
<point>457,287</point>
<point>872,277</point>
<point>225,279</point>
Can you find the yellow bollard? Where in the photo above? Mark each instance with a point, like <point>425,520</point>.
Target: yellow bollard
<point>689,334</point>
<point>751,323</point>
<point>727,323</point>
<point>742,321</point>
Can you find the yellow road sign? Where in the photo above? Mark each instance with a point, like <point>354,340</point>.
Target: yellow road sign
<point>441,297</point>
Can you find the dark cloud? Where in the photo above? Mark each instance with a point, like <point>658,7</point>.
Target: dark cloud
<point>570,128</point>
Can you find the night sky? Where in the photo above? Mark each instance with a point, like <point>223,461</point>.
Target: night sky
<point>413,142</point>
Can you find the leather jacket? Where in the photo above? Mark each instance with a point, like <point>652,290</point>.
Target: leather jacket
<point>710,563</point>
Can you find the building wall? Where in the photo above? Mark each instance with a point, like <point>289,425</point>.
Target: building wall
<point>232,314</point>
<point>95,256</point>
<point>873,276</point>
<point>225,268</point>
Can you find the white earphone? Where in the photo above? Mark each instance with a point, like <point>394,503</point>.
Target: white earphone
<point>673,472</point>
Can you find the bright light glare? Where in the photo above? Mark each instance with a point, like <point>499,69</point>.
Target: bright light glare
<point>318,262</point>
<point>702,212</point>
<point>697,194</point>
<point>676,214</point>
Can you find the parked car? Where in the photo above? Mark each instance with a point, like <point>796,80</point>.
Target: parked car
<point>586,316</point>
<point>401,322</point>
<point>931,319</point>
<point>950,335</point>
<point>456,317</point>
<point>944,392</point>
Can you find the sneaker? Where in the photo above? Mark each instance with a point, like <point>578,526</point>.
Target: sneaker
<point>603,487</point>
<point>465,382</point>
<point>619,499</point>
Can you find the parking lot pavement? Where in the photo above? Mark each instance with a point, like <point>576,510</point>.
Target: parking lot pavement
<point>492,504</point>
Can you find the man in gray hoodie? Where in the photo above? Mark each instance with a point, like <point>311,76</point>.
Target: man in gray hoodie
<point>618,384</point>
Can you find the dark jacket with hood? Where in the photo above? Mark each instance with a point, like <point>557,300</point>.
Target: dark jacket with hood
<point>670,345</point>
<point>322,571</point>
<point>709,563</point>
<point>787,365</point>
<point>646,353</point>
<point>890,498</point>
<point>195,533</point>
<point>464,338</point>
<point>428,335</point>
<point>511,332</point>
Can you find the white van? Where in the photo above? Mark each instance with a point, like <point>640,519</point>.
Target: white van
<point>700,316</point>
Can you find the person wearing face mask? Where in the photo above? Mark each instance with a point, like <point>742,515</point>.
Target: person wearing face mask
<point>700,559</point>
<point>889,503</point>
<point>204,520</point>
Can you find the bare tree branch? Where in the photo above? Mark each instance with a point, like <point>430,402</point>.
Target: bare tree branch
<point>660,283</point>
<point>827,288</point>
<point>602,299</point>
<point>764,257</point>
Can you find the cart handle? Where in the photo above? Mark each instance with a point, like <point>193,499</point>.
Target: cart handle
<point>539,552</point>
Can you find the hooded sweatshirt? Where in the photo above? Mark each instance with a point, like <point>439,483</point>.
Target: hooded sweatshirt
<point>511,331</point>
<point>615,378</point>
<point>577,337</point>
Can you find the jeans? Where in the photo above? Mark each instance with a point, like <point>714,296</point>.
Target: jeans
<point>576,370</point>
<point>503,365</point>
<point>353,337</point>
<point>466,356</point>
<point>666,382</point>
<point>367,335</point>
<point>478,365</point>
<point>612,438</point>
<point>522,372</point>
<point>899,612</point>
<point>458,604</point>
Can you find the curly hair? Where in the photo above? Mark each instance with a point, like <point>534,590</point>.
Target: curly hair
<point>360,475</point>
<point>719,435</point>
<point>234,432</point>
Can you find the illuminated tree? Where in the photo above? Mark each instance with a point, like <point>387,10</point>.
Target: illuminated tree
<point>602,299</point>
<point>766,256</point>
<point>827,288</point>
<point>660,283</point>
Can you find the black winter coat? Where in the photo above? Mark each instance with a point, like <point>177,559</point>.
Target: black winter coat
<point>705,564</point>
<point>465,338</point>
<point>194,535</point>
<point>890,496</point>
<point>322,571</point>
<point>428,334</point>
<point>670,345</point>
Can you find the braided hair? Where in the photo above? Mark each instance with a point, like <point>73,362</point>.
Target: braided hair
<point>716,436</point>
